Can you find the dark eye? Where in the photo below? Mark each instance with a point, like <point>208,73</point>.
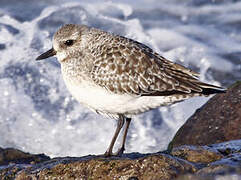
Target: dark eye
<point>69,42</point>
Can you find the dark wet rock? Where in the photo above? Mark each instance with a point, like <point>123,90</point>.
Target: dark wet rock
<point>217,121</point>
<point>231,176</point>
<point>214,172</point>
<point>184,162</point>
<point>224,162</point>
<point>197,154</point>
<point>11,155</point>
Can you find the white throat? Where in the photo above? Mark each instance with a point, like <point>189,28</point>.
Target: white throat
<point>61,56</point>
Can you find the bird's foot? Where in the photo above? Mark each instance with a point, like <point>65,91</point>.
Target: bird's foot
<point>117,153</point>
<point>120,151</point>
<point>108,154</point>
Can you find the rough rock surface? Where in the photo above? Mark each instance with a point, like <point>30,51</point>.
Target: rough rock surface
<point>183,162</point>
<point>217,121</point>
<point>133,166</point>
<point>11,155</point>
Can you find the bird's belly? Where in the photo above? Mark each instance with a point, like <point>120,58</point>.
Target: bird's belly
<point>103,101</point>
<point>98,98</point>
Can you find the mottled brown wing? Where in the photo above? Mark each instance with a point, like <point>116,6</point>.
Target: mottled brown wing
<point>126,66</point>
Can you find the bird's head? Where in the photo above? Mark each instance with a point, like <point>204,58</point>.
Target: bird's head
<point>66,42</point>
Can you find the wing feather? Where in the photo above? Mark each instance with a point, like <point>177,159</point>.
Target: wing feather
<point>129,67</point>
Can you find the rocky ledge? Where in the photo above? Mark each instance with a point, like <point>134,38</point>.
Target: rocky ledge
<point>184,162</point>
<point>199,151</point>
<point>218,120</point>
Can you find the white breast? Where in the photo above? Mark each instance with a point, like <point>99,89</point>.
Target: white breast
<point>99,99</point>
<point>96,97</point>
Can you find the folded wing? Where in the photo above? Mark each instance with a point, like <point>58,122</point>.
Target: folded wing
<point>128,67</point>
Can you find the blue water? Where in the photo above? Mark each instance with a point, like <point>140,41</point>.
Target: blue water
<point>38,114</point>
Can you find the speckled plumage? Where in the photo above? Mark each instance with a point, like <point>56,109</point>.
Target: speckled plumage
<point>117,76</point>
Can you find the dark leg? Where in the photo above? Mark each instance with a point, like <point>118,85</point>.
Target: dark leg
<point>120,124</point>
<point>122,149</point>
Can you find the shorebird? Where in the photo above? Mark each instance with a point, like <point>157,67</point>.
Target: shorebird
<point>120,77</point>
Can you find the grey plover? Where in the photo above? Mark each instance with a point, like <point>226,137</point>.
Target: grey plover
<point>120,77</point>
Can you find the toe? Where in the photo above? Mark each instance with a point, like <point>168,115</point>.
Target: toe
<point>119,152</point>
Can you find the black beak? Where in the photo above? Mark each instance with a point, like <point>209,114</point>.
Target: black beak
<point>47,54</point>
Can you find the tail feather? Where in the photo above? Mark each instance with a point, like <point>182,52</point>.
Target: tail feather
<point>200,89</point>
<point>196,86</point>
<point>211,89</point>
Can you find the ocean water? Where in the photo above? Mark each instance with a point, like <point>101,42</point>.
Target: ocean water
<point>38,114</point>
